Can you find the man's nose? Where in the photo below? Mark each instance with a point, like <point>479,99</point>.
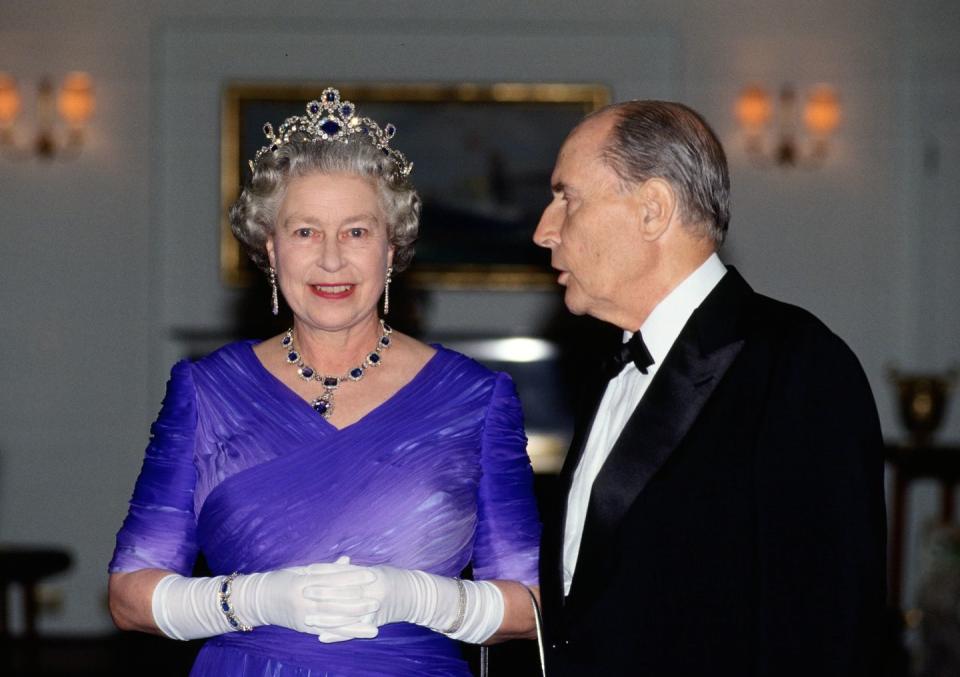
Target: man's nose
<point>547,234</point>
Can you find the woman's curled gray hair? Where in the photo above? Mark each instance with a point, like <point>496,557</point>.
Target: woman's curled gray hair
<point>253,216</point>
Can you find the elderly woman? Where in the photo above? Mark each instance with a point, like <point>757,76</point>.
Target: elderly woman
<point>339,477</point>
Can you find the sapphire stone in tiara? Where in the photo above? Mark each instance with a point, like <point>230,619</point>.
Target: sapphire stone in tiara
<point>330,127</point>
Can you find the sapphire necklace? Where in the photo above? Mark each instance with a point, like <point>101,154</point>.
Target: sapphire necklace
<point>323,403</point>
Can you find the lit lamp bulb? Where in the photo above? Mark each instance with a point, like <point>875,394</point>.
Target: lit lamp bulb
<point>821,115</point>
<point>9,101</point>
<point>754,108</point>
<point>822,112</point>
<point>75,103</point>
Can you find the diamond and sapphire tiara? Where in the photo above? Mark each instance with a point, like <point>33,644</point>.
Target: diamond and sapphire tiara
<point>331,119</point>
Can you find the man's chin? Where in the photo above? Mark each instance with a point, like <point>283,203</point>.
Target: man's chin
<point>574,304</point>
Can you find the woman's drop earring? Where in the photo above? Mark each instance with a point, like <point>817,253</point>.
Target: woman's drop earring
<point>386,291</point>
<point>274,305</point>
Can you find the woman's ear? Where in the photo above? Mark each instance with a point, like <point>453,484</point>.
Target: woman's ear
<point>657,203</point>
<point>270,254</point>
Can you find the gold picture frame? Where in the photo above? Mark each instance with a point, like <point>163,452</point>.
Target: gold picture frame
<point>483,154</point>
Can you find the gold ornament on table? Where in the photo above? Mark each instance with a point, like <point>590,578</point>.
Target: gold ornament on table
<point>922,399</point>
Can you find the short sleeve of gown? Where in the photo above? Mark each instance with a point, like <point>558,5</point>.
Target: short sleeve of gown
<point>159,531</point>
<point>507,545</point>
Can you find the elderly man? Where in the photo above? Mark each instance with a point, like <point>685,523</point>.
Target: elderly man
<point>722,505</point>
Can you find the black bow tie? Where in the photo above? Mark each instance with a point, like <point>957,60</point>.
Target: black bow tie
<point>634,350</point>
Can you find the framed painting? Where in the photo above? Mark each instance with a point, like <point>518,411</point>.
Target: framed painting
<point>482,155</point>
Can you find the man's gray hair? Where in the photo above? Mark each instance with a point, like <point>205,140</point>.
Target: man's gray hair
<point>667,140</point>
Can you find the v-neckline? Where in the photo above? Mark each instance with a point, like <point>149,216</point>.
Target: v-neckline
<point>289,392</point>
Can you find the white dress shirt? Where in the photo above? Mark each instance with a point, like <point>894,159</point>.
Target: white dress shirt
<point>623,394</point>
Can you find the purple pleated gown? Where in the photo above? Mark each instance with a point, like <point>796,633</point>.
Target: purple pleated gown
<point>243,470</point>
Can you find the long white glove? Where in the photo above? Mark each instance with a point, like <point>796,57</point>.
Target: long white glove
<point>189,608</point>
<point>407,595</point>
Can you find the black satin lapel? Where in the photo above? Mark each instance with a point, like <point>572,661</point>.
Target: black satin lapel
<point>668,409</point>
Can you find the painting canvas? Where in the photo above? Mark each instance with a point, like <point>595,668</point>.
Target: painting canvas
<point>482,158</point>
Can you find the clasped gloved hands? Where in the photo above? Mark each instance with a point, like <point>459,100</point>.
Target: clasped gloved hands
<point>335,601</point>
<point>390,595</point>
<point>466,610</point>
<point>278,597</point>
<point>191,608</point>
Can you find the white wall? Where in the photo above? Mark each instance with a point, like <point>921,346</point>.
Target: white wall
<point>105,254</point>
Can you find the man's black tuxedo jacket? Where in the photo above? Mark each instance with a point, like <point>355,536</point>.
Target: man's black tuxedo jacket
<point>737,527</point>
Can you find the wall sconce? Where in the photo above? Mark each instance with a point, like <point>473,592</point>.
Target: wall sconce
<point>821,116</point>
<point>73,104</point>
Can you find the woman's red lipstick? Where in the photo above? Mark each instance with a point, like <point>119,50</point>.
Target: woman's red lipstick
<point>332,291</point>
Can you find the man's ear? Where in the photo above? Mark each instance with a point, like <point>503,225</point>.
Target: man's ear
<point>657,202</point>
